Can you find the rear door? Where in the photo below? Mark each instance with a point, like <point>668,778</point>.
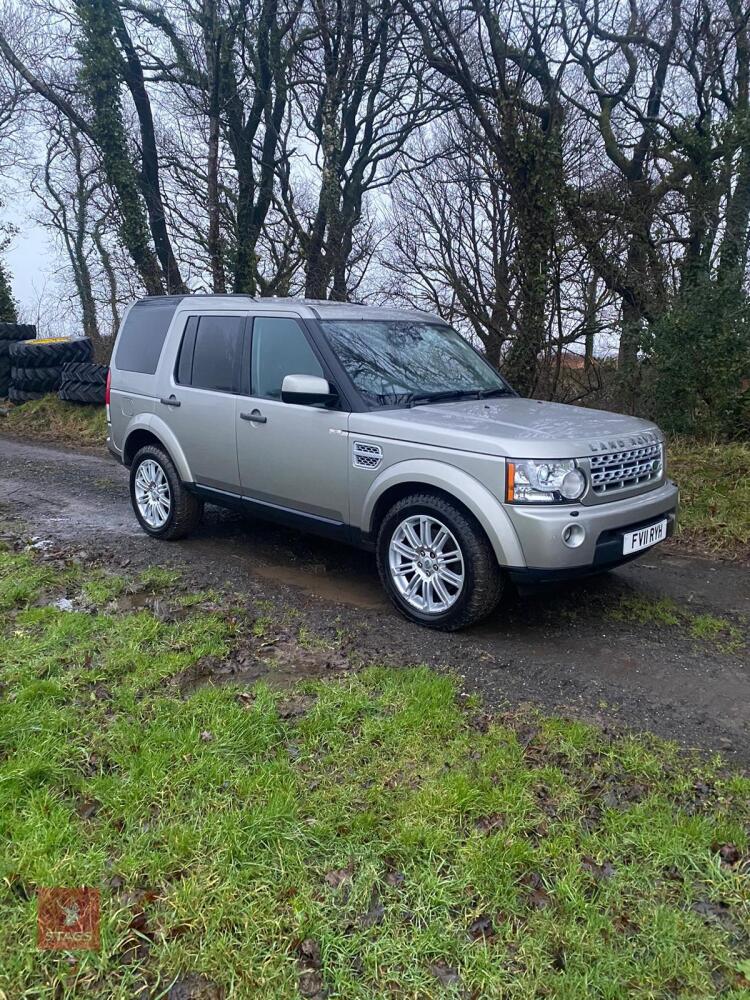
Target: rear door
<point>204,387</point>
<point>135,359</point>
<point>290,455</point>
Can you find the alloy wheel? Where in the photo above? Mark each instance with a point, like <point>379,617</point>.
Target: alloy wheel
<point>152,494</point>
<point>426,564</point>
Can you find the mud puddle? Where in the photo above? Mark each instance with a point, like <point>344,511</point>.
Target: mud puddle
<point>357,592</point>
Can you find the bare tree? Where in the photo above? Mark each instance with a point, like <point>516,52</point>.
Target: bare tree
<point>496,58</point>
<point>360,94</point>
<point>94,106</point>
<point>453,247</point>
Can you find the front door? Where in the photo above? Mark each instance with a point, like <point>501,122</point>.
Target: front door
<point>290,455</point>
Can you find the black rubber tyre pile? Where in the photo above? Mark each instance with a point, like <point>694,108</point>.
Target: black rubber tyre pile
<point>83,382</point>
<point>11,333</point>
<point>36,366</point>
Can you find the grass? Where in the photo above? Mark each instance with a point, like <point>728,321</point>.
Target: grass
<point>714,481</point>
<point>374,836</point>
<point>51,419</point>
<point>640,609</point>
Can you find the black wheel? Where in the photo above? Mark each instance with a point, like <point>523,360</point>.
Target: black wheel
<point>45,378</point>
<point>84,371</point>
<point>82,392</point>
<point>4,366</point>
<point>23,395</point>
<point>17,331</point>
<point>164,508</point>
<point>55,351</point>
<point>436,563</point>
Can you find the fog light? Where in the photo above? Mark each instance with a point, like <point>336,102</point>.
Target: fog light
<point>573,535</point>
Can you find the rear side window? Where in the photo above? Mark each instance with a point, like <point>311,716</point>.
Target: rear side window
<point>142,336</point>
<point>211,353</point>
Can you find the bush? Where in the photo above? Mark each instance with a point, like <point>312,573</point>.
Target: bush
<point>698,360</point>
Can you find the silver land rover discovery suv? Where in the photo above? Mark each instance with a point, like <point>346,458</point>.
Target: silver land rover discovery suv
<point>383,428</point>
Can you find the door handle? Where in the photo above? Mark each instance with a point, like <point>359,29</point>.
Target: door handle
<point>170,401</point>
<point>256,417</point>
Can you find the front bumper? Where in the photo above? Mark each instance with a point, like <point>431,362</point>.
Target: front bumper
<point>547,557</point>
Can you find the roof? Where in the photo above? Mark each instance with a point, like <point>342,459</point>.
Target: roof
<point>317,308</point>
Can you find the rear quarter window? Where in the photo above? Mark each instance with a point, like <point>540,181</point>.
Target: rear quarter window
<point>141,339</point>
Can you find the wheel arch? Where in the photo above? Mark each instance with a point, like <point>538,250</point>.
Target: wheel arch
<point>451,484</point>
<point>153,431</point>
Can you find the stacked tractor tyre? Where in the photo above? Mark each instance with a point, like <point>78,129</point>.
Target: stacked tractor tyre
<point>11,333</point>
<point>37,365</point>
<point>83,382</point>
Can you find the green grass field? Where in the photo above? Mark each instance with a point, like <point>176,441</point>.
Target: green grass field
<point>714,482</point>
<point>371,836</point>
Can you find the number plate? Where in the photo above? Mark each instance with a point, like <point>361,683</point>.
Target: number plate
<point>634,541</point>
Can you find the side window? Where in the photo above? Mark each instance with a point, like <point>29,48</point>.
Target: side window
<point>142,336</point>
<point>279,348</point>
<point>185,360</point>
<point>211,353</point>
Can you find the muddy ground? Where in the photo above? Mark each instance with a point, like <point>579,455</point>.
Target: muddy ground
<point>565,650</point>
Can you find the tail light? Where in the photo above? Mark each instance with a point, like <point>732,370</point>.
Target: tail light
<point>106,391</point>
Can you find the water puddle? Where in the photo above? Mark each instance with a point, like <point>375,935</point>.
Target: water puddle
<point>361,592</point>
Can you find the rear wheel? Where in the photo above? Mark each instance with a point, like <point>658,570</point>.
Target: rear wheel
<point>436,563</point>
<point>164,508</point>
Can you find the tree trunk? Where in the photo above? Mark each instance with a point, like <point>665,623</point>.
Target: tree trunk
<point>109,273</point>
<point>245,258</point>
<point>589,324</point>
<point>630,341</point>
<point>213,60</point>
<point>535,222</point>
<point>150,183</point>
<point>99,58</point>
<point>733,259</point>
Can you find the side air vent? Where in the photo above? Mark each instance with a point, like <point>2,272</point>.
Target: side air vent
<point>367,456</point>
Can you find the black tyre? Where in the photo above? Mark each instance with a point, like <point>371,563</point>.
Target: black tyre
<point>84,371</point>
<point>4,367</point>
<point>17,331</point>
<point>57,351</point>
<point>82,392</point>
<point>23,395</point>
<point>41,379</point>
<point>5,358</point>
<point>436,563</point>
<point>164,508</point>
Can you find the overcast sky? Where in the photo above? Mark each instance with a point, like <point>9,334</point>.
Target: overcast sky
<point>31,260</point>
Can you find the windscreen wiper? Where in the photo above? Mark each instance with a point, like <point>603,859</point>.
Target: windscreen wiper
<point>499,391</point>
<point>437,397</point>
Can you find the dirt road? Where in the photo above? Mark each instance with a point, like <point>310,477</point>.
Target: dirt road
<point>598,650</point>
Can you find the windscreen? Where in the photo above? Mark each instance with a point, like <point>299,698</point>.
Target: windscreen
<point>396,362</point>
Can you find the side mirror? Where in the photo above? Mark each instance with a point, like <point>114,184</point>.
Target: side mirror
<point>306,390</point>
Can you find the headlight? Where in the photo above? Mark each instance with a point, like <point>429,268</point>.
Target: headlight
<point>538,481</point>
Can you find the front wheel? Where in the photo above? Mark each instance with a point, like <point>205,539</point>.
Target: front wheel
<point>164,508</point>
<point>436,563</point>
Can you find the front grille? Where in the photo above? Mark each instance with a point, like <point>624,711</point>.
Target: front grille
<point>622,470</point>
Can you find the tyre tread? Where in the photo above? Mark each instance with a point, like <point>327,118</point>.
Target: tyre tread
<point>487,586</point>
<point>186,507</point>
